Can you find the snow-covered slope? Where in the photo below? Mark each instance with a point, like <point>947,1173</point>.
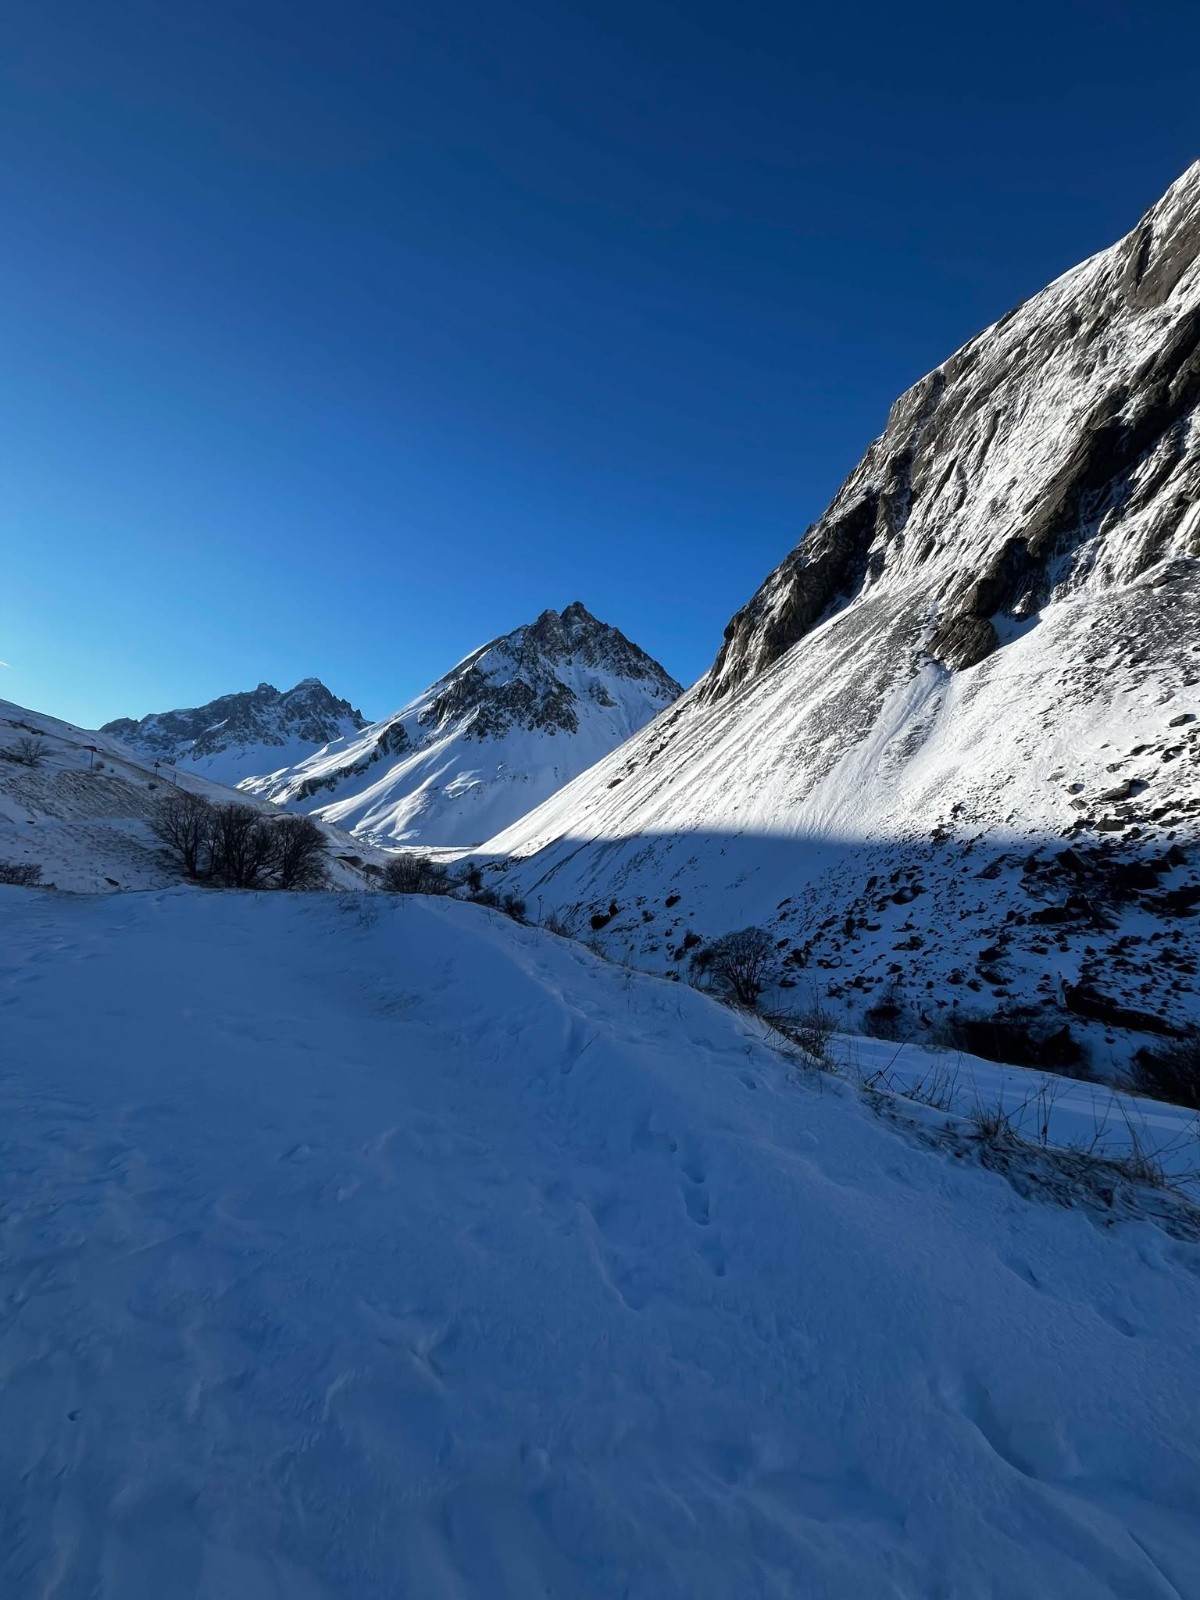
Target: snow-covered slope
<point>950,751</point>
<point>82,812</point>
<point>418,1254</point>
<point>238,736</point>
<point>507,727</point>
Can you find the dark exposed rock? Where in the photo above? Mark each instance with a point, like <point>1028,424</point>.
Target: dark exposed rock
<point>1085,1000</point>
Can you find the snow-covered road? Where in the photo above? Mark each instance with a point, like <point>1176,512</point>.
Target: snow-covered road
<point>367,1248</point>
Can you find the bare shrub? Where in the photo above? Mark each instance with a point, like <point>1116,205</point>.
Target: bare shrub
<point>185,823</point>
<point>25,874</point>
<point>415,874</point>
<point>473,878</point>
<point>300,852</point>
<point>992,1124</point>
<point>555,922</point>
<point>810,1029</point>
<point>242,845</point>
<point>513,906</point>
<point>29,751</point>
<point>735,965</point>
<point>1170,1072</point>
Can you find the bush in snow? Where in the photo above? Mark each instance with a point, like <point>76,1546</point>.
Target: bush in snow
<point>735,965</point>
<point>26,874</point>
<point>1171,1072</point>
<point>556,923</point>
<point>415,874</point>
<point>473,878</point>
<point>811,1029</point>
<point>300,851</point>
<point>513,906</point>
<point>28,752</point>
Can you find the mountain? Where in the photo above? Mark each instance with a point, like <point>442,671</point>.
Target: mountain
<point>949,753</point>
<point>240,735</point>
<point>502,731</point>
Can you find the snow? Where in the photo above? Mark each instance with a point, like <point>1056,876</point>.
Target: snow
<point>833,769</point>
<point>1058,1113</point>
<point>233,765</point>
<point>356,1247</point>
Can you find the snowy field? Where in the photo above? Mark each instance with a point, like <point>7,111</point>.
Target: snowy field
<point>357,1247</point>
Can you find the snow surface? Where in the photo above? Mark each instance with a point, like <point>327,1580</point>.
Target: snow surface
<point>357,1247</point>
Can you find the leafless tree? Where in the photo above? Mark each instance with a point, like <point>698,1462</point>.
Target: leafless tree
<point>186,823</point>
<point>243,845</point>
<point>736,965</point>
<point>300,850</point>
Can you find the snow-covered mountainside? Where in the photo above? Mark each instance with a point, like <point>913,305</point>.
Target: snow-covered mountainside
<point>505,729</point>
<point>418,1254</point>
<point>949,754</point>
<point>78,805</point>
<point>241,735</point>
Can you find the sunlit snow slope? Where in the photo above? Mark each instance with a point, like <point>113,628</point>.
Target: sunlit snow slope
<point>949,753</point>
<point>405,1252</point>
<point>505,729</point>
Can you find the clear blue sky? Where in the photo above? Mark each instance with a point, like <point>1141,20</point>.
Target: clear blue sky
<point>340,337</point>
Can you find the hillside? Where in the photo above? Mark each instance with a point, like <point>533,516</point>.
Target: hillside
<point>949,754</point>
<point>82,812</point>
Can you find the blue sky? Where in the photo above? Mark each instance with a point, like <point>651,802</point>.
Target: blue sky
<point>339,338</point>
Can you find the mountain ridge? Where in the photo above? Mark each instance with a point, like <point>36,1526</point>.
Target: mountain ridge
<point>232,736</point>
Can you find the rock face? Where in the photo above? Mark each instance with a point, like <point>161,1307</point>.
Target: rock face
<point>502,731</point>
<point>1058,441</point>
<point>238,735</point>
<point>986,652</point>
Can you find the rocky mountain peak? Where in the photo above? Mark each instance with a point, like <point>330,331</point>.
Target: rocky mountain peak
<point>534,677</point>
<point>506,727</point>
<point>254,720</point>
<point>1058,448</point>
